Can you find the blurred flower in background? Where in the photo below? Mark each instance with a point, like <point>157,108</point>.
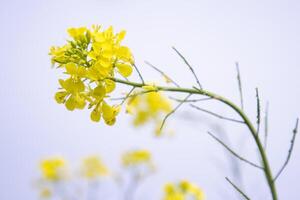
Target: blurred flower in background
<point>53,169</point>
<point>183,190</point>
<point>92,168</point>
<point>148,107</point>
<point>94,180</point>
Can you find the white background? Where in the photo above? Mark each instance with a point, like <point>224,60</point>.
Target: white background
<point>262,35</point>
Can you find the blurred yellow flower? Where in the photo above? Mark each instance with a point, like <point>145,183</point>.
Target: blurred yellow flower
<point>93,167</point>
<point>149,107</point>
<point>76,33</point>
<point>90,58</point>
<point>184,190</point>
<point>53,169</point>
<point>136,157</point>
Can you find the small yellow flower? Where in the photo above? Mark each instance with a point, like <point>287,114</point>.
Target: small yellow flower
<point>184,190</point>
<point>53,169</point>
<point>96,114</point>
<point>136,157</point>
<point>124,69</point>
<point>151,106</point>
<point>59,54</point>
<point>92,167</point>
<point>76,33</point>
<point>109,113</point>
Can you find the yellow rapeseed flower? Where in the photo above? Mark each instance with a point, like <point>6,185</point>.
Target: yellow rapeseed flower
<point>53,169</point>
<point>136,157</point>
<point>90,59</point>
<point>93,167</point>
<point>151,106</point>
<point>184,190</point>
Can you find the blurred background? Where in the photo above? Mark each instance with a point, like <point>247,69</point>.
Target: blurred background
<point>263,36</point>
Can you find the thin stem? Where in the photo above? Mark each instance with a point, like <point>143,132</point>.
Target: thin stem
<point>139,73</point>
<point>289,152</point>
<point>240,85</point>
<point>173,111</point>
<point>132,95</point>
<point>266,126</point>
<point>190,100</point>
<point>265,162</point>
<point>190,67</point>
<point>129,192</point>
<point>162,73</point>
<point>127,95</point>
<point>233,152</point>
<point>257,111</point>
<point>216,115</point>
<point>237,189</point>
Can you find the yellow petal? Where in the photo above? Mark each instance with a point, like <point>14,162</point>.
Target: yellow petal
<point>71,103</point>
<point>60,97</point>
<point>107,111</point>
<point>121,35</point>
<point>77,32</point>
<point>71,68</point>
<point>99,92</point>
<point>93,55</point>
<point>80,102</point>
<point>124,54</point>
<point>72,32</point>
<point>111,121</point>
<point>124,69</point>
<point>109,85</point>
<point>81,71</point>
<point>96,114</point>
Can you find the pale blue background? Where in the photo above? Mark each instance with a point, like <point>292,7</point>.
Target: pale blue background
<point>264,36</point>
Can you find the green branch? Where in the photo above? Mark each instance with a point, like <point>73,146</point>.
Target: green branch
<point>239,111</point>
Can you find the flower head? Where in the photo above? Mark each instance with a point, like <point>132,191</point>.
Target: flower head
<point>138,163</point>
<point>90,59</point>
<point>149,106</point>
<point>93,167</point>
<point>183,190</point>
<point>136,157</point>
<point>53,169</point>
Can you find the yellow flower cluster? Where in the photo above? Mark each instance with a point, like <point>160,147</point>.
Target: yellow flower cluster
<point>184,190</point>
<point>147,107</point>
<point>93,167</point>
<point>136,157</point>
<point>53,169</point>
<point>91,58</point>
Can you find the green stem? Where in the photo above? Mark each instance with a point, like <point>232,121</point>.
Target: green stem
<point>265,162</point>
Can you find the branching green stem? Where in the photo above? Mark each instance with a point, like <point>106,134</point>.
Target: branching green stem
<point>233,152</point>
<point>239,111</point>
<point>289,152</point>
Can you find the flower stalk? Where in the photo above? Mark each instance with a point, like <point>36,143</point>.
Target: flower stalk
<point>262,153</point>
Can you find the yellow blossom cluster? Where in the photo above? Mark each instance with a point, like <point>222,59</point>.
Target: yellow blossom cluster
<point>184,190</point>
<point>91,58</point>
<point>136,157</point>
<point>93,167</point>
<point>53,169</point>
<point>149,106</point>
<point>54,172</point>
